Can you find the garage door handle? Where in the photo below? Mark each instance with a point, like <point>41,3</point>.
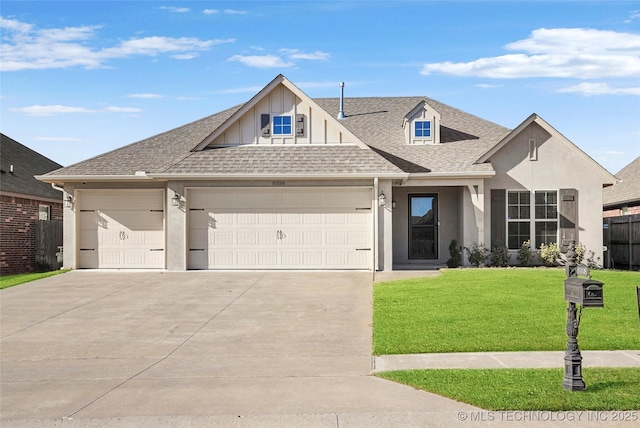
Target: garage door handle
<point>363,249</point>
<point>156,249</point>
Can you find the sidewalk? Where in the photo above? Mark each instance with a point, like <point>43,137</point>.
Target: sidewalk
<point>502,360</point>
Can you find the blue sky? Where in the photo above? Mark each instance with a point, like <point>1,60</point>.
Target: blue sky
<point>85,77</point>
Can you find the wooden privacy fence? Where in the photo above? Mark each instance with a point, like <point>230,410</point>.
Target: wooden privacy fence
<point>622,239</point>
<point>48,239</point>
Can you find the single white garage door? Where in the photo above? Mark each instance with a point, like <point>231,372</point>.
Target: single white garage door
<point>280,228</point>
<point>121,229</point>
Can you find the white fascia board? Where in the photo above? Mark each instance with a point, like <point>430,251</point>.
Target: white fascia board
<point>91,178</point>
<point>465,175</point>
<point>276,176</point>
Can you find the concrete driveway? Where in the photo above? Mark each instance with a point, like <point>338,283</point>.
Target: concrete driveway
<point>92,348</point>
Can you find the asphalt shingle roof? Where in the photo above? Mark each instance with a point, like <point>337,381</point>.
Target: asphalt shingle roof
<point>26,163</point>
<point>628,190</point>
<point>377,121</point>
<point>247,160</point>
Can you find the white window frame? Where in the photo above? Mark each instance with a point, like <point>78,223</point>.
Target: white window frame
<point>533,220</point>
<point>415,123</point>
<point>274,127</point>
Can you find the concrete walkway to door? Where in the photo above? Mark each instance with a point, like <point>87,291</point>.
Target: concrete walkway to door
<point>90,348</point>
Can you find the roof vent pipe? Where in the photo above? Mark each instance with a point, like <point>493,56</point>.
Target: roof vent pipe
<point>341,115</point>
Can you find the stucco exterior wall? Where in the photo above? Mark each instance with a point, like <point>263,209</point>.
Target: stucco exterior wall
<point>555,165</point>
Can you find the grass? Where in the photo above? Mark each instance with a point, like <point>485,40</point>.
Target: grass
<point>479,310</point>
<point>529,389</point>
<point>7,281</point>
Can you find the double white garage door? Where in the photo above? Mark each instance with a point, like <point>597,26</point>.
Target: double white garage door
<point>274,228</point>
<point>232,228</point>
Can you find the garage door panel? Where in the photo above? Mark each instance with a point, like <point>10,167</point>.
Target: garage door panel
<point>267,259</point>
<point>273,228</point>
<point>121,229</point>
<point>217,239</point>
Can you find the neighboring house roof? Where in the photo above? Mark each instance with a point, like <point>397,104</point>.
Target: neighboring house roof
<point>628,190</point>
<point>19,164</point>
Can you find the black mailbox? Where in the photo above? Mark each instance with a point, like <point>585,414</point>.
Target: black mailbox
<point>584,292</point>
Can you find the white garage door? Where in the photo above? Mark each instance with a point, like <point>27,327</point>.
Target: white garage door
<point>292,228</point>
<point>121,229</point>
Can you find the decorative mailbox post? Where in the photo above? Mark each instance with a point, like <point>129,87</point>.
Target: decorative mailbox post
<point>588,294</point>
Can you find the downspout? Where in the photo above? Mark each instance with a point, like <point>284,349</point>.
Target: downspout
<point>376,227</point>
<point>57,188</point>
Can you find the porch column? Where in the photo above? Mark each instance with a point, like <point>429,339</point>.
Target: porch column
<point>176,227</point>
<point>385,227</point>
<point>474,220</point>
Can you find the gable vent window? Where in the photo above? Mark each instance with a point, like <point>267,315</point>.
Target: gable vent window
<point>422,129</point>
<point>281,125</point>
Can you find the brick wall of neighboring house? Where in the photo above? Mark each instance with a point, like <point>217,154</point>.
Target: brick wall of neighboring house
<point>17,232</point>
<point>616,212</point>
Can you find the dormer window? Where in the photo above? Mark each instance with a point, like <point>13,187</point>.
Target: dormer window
<point>281,125</point>
<point>422,129</point>
<point>422,125</point>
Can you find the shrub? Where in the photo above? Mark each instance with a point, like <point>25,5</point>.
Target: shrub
<point>525,256</point>
<point>500,256</point>
<point>549,253</point>
<point>454,252</point>
<point>477,254</point>
<point>587,257</point>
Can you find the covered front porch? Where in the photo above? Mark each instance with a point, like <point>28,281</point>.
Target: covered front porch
<point>427,215</point>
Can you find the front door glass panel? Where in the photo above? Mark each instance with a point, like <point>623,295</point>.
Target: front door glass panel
<point>423,227</point>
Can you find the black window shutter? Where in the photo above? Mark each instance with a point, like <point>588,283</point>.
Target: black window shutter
<point>265,124</point>
<point>498,218</point>
<point>568,212</point>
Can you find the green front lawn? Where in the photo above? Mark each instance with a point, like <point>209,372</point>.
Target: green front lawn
<point>529,389</point>
<point>476,310</point>
<point>7,281</point>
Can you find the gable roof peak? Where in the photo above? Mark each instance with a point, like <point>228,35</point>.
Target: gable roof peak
<point>280,79</point>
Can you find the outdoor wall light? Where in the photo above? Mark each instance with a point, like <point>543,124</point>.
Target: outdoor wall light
<point>382,199</point>
<point>175,201</point>
<point>68,202</point>
<point>393,204</point>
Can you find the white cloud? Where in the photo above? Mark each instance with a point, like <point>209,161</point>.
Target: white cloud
<point>487,86</point>
<point>234,12</point>
<point>225,11</point>
<point>26,48</point>
<point>296,54</point>
<point>114,109</point>
<point>261,61</point>
<point>145,96</point>
<point>586,88</point>
<point>634,14</point>
<point>51,110</point>
<point>562,52</point>
<point>175,9</point>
